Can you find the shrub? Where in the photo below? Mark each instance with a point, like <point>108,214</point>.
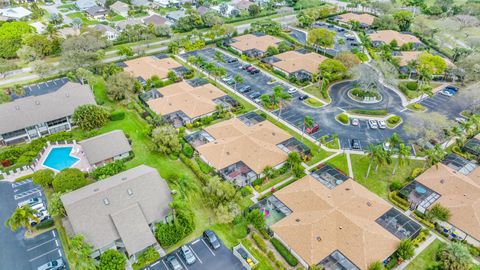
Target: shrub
<point>401,203</point>
<point>271,256</point>
<point>405,249</point>
<point>117,115</point>
<point>255,217</point>
<point>43,177</point>
<point>112,259</point>
<point>90,116</point>
<point>393,120</point>
<point>184,223</point>
<point>148,256</point>
<point>412,86</point>
<point>260,242</point>
<point>187,150</point>
<point>69,180</point>
<point>280,265</point>
<point>418,106</point>
<point>246,191</point>
<point>108,170</point>
<point>25,177</point>
<point>46,224</point>
<point>286,254</point>
<point>369,112</point>
<point>395,185</point>
<point>416,172</point>
<point>343,118</point>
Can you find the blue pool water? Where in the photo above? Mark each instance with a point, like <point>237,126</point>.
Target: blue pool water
<point>59,158</point>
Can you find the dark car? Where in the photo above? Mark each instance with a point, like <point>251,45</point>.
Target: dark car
<point>242,253</point>
<point>245,89</point>
<point>340,30</point>
<point>244,66</point>
<point>254,95</point>
<point>174,263</point>
<point>355,144</point>
<point>350,39</point>
<point>232,60</point>
<point>303,97</point>
<point>254,71</point>
<point>211,239</point>
<point>313,129</point>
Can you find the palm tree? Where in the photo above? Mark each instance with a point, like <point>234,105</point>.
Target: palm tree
<point>307,123</point>
<point>218,56</point>
<point>21,218</point>
<point>279,97</point>
<point>371,152</point>
<point>402,153</point>
<point>434,156</point>
<point>268,172</point>
<point>395,140</point>
<point>238,79</point>
<point>293,159</point>
<point>382,157</point>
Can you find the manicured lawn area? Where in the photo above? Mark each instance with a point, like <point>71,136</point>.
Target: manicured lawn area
<point>116,18</point>
<point>315,90</point>
<point>426,260</point>
<point>313,103</point>
<point>333,144</point>
<point>339,162</point>
<point>82,16</point>
<point>378,182</point>
<point>416,107</point>
<point>272,182</point>
<point>140,14</point>
<point>164,10</point>
<point>66,6</point>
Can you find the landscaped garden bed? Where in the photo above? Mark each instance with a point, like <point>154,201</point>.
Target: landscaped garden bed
<point>343,118</point>
<point>416,107</point>
<point>368,112</point>
<point>364,95</point>
<point>313,103</point>
<point>393,121</point>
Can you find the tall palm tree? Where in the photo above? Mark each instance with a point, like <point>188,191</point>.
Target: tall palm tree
<point>307,123</point>
<point>382,157</point>
<point>268,172</point>
<point>434,156</point>
<point>21,218</point>
<point>371,153</point>
<point>279,98</point>
<point>402,153</point>
<point>395,140</point>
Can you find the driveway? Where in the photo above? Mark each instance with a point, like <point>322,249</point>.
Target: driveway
<point>17,252</point>
<point>207,258</point>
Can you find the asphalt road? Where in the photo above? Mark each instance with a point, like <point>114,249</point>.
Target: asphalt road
<point>207,258</point>
<point>17,252</point>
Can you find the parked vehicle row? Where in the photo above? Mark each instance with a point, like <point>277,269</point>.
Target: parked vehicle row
<point>57,264</point>
<point>40,208</point>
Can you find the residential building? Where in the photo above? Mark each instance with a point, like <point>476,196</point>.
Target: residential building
<point>455,184</point>
<point>473,146</point>
<point>228,12</point>
<point>202,10</point>
<point>165,3</point>
<point>107,31</point>
<point>174,16</point>
<point>120,211</point>
<point>120,8</point>
<point>328,219</point>
<point>15,13</point>
<point>146,67</point>
<point>387,36</point>
<point>96,12</point>
<point>300,64</point>
<point>365,19</point>
<point>39,27</point>
<point>106,148</point>
<point>254,45</point>
<point>85,4</point>
<point>406,57</point>
<point>242,4</point>
<point>140,3</point>
<point>183,102</point>
<point>122,25</point>
<point>156,20</point>
<point>34,116</point>
<point>240,148</point>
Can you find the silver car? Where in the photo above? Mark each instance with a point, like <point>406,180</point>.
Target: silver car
<point>53,265</point>
<point>373,124</point>
<point>382,124</point>
<point>188,254</point>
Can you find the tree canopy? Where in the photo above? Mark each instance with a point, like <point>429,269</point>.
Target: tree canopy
<point>321,37</point>
<point>120,86</point>
<point>69,179</point>
<point>43,177</point>
<point>165,139</point>
<point>332,69</point>
<point>83,51</point>
<point>11,34</point>
<point>90,116</point>
<point>112,259</point>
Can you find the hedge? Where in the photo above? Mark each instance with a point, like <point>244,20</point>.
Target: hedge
<point>369,112</point>
<point>394,119</point>
<point>343,118</point>
<point>401,203</point>
<point>46,224</point>
<point>260,242</point>
<point>25,177</point>
<point>195,169</point>
<point>117,115</point>
<point>286,254</point>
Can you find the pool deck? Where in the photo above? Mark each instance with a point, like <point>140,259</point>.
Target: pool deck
<point>77,152</point>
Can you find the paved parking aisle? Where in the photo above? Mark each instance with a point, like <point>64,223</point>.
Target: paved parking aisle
<point>207,258</point>
<point>17,252</point>
<point>435,101</point>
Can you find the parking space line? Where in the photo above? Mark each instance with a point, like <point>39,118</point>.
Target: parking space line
<point>155,263</point>
<point>14,185</point>
<point>39,245</point>
<point>56,242</point>
<point>26,193</point>
<point>208,247</point>
<point>38,257</point>
<point>59,253</point>
<point>181,261</point>
<point>196,241</point>
<point>165,264</point>
<point>193,251</point>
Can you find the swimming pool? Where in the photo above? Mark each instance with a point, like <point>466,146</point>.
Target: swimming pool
<point>59,158</point>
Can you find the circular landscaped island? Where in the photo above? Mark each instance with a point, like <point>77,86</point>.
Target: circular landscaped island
<point>362,95</point>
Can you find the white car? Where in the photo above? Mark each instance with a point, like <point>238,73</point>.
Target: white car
<point>38,207</point>
<point>41,216</point>
<point>446,93</point>
<point>373,124</point>
<point>53,265</point>
<point>292,90</point>
<point>460,120</point>
<point>382,124</point>
<point>31,201</point>
<point>355,122</point>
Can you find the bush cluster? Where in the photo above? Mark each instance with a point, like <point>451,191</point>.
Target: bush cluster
<point>395,199</point>
<point>182,225</point>
<point>108,170</point>
<point>286,254</point>
<point>260,242</point>
<point>393,120</point>
<point>343,118</point>
<point>117,116</point>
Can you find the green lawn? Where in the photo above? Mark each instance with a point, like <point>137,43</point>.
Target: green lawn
<point>378,182</point>
<point>315,90</point>
<point>272,182</point>
<point>137,130</point>
<point>140,14</point>
<point>116,18</point>
<point>426,260</point>
<point>82,16</point>
<point>313,103</point>
<point>339,162</point>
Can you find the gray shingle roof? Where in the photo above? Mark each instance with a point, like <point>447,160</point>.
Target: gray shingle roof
<point>102,224</point>
<point>29,111</point>
<point>105,146</point>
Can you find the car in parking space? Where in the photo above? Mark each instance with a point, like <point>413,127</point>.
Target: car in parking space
<point>53,265</point>
<point>174,263</point>
<point>244,66</point>
<point>373,124</point>
<point>31,201</point>
<point>41,217</point>
<point>254,71</point>
<point>312,129</point>
<point>303,97</point>
<point>245,89</point>
<point>340,30</point>
<point>447,93</point>
<point>254,95</point>
<point>226,78</point>
<point>187,254</point>
<point>211,239</point>
<point>382,124</point>
<point>250,68</point>
<point>460,120</point>
<point>232,60</point>
<point>230,82</point>
<point>355,144</point>
<point>292,90</point>
<point>355,122</point>
<point>38,206</point>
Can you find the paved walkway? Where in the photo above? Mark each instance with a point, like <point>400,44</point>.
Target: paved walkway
<point>349,163</point>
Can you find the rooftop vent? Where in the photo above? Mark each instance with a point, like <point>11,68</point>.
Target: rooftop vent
<point>130,191</point>
<point>442,181</point>
<point>67,94</point>
<point>37,102</point>
<point>228,153</point>
<point>297,220</point>
<point>124,178</point>
<point>369,203</point>
<point>340,227</point>
<point>347,189</point>
<point>319,238</point>
<point>106,201</point>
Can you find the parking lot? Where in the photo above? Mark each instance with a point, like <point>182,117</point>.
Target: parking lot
<point>206,258</point>
<point>344,39</point>
<point>18,252</point>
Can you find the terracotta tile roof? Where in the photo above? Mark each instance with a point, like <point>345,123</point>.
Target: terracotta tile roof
<point>148,66</point>
<point>361,18</point>
<point>459,193</point>
<point>324,220</point>
<point>407,56</point>
<point>249,41</point>
<point>193,101</point>
<point>388,35</point>
<point>255,145</point>
<point>292,61</point>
